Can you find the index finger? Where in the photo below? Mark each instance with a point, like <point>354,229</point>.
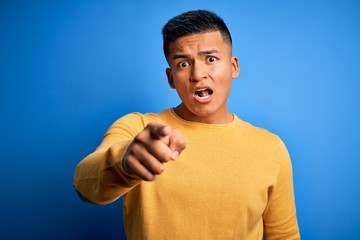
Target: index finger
<point>159,130</point>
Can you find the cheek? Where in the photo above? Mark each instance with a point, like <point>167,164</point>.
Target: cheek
<point>180,85</point>
<point>223,77</point>
<point>181,80</point>
<point>223,73</point>
<point>183,89</point>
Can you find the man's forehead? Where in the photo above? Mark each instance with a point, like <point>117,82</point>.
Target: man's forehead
<point>199,42</point>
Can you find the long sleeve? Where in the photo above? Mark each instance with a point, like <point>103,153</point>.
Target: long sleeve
<point>239,190</point>
<point>100,177</point>
<point>280,215</point>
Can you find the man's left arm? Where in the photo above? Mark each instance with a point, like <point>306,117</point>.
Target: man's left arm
<point>280,220</point>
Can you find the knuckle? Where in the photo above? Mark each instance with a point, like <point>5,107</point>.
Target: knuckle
<point>149,125</point>
<point>152,127</point>
<point>129,164</point>
<point>128,160</point>
<point>134,148</point>
<point>158,169</point>
<point>183,144</point>
<point>165,157</point>
<point>139,137</point>
<point>148,177</point>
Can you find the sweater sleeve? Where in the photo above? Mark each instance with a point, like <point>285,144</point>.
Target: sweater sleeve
<point>100,177</point>
<point>280,220</point>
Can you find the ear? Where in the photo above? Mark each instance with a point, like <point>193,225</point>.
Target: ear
<point>235,66</point>
<point>170,77</point>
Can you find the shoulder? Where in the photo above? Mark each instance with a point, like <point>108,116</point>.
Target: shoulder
<point>133,122</point>
<point>139,118</point>
<point>262,138</point>
<point>256,132</point>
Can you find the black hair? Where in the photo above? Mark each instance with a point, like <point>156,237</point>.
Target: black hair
<point>192,22</point>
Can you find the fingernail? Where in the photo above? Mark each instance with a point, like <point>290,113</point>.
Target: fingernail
<point>174,155</point>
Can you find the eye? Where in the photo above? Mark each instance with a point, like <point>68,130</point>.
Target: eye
<point>212,59</point>
<point>183,64</point>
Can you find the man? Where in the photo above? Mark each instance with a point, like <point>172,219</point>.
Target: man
<point>230,179</point>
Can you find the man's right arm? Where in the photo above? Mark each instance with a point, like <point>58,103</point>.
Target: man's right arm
<point>128,154</point>
<point>99,178</point>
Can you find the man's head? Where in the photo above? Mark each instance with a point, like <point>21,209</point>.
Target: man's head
<point>193,22</point>
<point>198,49</point>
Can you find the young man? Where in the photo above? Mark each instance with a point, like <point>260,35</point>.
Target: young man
<point>230,179</point>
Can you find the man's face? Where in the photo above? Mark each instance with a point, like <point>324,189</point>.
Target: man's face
<point>201,70</point>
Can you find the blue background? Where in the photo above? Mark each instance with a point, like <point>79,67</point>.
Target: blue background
<point>68,69</point>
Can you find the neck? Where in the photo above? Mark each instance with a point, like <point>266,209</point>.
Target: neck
<point>219,118</point>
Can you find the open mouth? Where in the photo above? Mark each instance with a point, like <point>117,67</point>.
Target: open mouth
<point>203,93</point>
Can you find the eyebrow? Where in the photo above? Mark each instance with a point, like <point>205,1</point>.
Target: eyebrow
<point>205,52</point>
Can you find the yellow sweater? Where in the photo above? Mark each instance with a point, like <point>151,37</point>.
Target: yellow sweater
<point>233,181</point>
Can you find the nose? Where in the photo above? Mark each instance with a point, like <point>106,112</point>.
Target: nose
<point>198,72</point>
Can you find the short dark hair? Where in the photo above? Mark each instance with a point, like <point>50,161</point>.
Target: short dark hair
<point>192,22</point>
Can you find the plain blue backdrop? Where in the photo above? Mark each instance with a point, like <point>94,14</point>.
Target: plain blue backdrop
<point>68,69</point>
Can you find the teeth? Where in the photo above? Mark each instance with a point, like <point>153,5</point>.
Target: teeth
<point>203,93</point>
<point>204,97</point>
